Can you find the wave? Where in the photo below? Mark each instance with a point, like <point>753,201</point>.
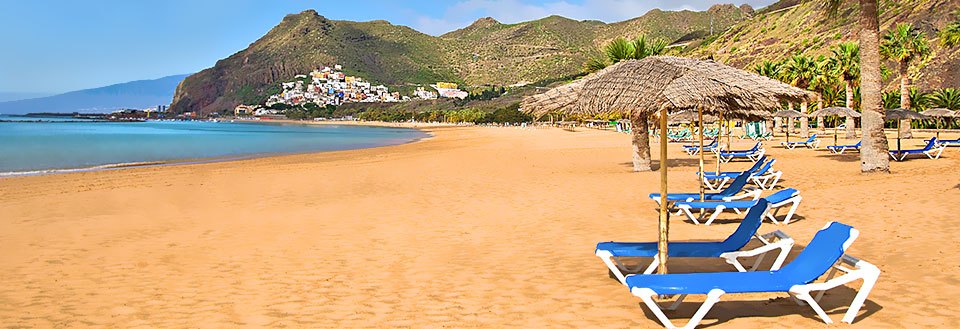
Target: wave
<point>83,169</point>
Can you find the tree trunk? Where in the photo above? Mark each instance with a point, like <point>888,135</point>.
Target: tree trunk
<point>874,155</point>
<point>777,123</point>
<point>804,121</point>
<point>851,124</point>
<point>905,131</point>
<point>820,127</point>
<point>641,144</point>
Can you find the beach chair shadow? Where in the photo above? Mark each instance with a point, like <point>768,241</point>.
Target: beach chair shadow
<point>674,163</point>
<point>834,302</point>
<point>846,157</point>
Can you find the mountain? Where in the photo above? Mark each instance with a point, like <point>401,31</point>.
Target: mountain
<point>485,53</point>
<point>134,94</point>
<point>789,27</point>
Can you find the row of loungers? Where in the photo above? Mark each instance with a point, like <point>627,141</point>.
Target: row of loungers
<point>823,256</point>
<point>933,149</point>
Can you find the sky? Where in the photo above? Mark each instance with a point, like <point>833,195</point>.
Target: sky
<point>54,46</point>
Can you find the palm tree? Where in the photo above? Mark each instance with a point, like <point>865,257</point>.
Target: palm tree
<point>800,71</point>
<point>891,99</point>
<point>950,34</point>
<point>824,79</point>
<point>771,70</point>
<point>874,150</point>
<point>948,98</point>
<point>846,64</point>
<point>621,49</point>
<point>905,45</point>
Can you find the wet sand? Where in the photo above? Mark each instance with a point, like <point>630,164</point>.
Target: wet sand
<point>474,227</point>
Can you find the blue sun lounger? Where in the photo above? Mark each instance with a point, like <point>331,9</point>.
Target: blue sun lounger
<point>797,278</point>
<point>694,149</point>
<point>761,174</point>
<point>838,149</point>
<point>728,194</point>
<point>947,142</point>
<point>781,198</point>
<point>811,142</point>
<point>728,249</point>
<point>932,150</point>
<point>754,154</point>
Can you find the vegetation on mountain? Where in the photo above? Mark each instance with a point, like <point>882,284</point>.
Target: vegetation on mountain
<point>486,53</point>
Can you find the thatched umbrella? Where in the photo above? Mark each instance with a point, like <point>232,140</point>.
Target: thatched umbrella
<point>689,116</point>
<point>900,114</point>
<point>665,83</point>
<point>788,114</point>
<point>939,113</point>
<point>837,112</point>
<point>562,98</point>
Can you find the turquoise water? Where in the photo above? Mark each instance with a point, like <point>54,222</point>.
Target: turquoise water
<point>45,147</point>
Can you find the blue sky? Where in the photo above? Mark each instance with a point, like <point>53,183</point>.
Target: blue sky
<point>56,46</point>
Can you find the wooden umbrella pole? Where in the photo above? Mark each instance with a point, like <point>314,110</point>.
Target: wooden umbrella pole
<point>664,222</point>
<point>720,117</point>
<point>702,176</point>
<point>898,136</point>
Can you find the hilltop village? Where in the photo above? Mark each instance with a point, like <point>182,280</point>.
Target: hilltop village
<point>330,86</point>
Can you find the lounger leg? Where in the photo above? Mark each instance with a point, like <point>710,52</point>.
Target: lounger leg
<point>607,259</point>
<point>793,209</point>
<point>694,219</point>
<point>869,280</point>
<point>650,268</point>
<point>816,307</point>
<point>647,295</point>
<point>715,215</point>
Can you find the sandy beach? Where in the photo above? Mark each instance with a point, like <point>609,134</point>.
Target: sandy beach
<point>474,227</point>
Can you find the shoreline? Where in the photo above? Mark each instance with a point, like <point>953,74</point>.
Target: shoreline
<point>204,160</point>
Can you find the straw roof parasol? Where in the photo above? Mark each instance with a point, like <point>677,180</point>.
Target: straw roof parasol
<point>642,86</point>
<point>939,112</point>
<point>562,97</point>
<point>835,111</point>
<point>689,116</point>
<point>788,114</point>
<point>902,114</point>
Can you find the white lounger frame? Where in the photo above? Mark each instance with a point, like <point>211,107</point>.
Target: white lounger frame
<point>855,269</point>
<point>686,210</point>
<point>842,148</point>
<point>756,155</point>
<point>766,181</point>
<point>776,240</point>
<point>929,153</point>
<point>810,145</point>
<point>771,213</point>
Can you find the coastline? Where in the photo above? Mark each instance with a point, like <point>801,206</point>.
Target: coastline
<point>202,160</point>
<point>473,227</point>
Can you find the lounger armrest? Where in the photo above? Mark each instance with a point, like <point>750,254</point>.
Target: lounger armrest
<point>778,234</point>
<point>755,194</point>
<point>783,243</point>
<point>855,269</point>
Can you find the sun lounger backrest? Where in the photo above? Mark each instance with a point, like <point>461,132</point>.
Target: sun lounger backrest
<point>737,185</point>
<point>748,227</point>
<point>765,168</point>
<point>782,195</point>
<point>756,165</point>
<point>930,144</point>
<point>820,254</point>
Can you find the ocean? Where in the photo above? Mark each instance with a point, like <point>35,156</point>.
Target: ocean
<point>58,145</point>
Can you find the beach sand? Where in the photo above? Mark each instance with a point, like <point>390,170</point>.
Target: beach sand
<point>474,227</point>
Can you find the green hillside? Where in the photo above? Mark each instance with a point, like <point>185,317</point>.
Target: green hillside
<point>804,27</point>
<point>484,53</point>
